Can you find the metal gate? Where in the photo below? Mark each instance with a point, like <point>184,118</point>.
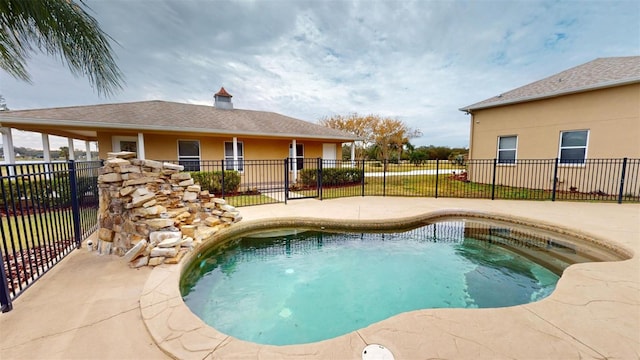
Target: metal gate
<point>302,178</point>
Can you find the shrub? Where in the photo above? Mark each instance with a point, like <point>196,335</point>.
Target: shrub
<point>331,176</point>
<point>212,181</point>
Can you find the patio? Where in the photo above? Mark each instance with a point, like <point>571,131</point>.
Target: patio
<point>88,306</point>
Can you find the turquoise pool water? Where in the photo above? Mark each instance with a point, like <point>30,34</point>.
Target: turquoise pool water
<point>308,286</point>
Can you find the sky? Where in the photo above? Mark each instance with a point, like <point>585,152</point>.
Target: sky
<point>417,61</point>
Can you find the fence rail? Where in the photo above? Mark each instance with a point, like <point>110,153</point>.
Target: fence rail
<point>46,209</point>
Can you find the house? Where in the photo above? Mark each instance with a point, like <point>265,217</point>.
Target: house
<point>591,111</point>
<point>187,133</point>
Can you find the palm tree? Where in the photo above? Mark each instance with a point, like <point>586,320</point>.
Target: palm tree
<point>57,27</point>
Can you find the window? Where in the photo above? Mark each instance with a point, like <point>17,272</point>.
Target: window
<point>124,143</point>
<point>507,146</point>
<point>229,161</point>
<point>189,154</point>
<point>573,146</point>
<point>299,156</point>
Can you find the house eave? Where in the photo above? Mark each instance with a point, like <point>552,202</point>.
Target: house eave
<point>8,121</point>
<point>616,83</point>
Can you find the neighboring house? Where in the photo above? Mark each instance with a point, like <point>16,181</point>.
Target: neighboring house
<point>187,133</point>
<point>591,111</point>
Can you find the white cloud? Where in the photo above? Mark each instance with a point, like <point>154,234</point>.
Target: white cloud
<point>418,61</point>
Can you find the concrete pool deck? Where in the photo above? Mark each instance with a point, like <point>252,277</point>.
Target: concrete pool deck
<point>96,307</point>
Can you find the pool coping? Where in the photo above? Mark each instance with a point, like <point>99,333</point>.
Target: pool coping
<point>474,332</point>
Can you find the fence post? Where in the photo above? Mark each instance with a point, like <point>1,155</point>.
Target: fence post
<point>493,182</point>
<point>437,175</point>
<point>622,176</point>
<point>286,180</point>
<point>75,205</point>
<point>320,178</point>
<point>384,178</point>
<point>362,180</point>
<point>555,180</point>
<point>5,299</point>
<point>222,180</point>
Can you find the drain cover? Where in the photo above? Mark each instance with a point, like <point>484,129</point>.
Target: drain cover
<point>376,352</point>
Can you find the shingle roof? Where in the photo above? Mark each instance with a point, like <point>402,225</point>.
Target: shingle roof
<point>174,117</point>
<point>223,92</point>
<point>597,74</point>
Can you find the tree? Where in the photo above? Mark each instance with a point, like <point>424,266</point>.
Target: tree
<point>377,133</point>
<point>59,28</point>
<point>64,152</point>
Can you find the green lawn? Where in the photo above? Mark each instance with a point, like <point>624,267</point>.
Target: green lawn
<point>37,229</point>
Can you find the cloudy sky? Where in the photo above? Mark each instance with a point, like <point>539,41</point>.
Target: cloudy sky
<point>418,61</point>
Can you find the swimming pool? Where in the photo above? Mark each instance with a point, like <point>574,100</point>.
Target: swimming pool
<point>294,286</point>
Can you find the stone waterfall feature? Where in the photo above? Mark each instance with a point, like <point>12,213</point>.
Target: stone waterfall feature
<point>152,213</point>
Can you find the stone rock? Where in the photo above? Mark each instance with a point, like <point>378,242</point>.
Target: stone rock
<point>187,242</point>
<point>141,181</point>
<point>153,164</point>
<point>156,237</point>
<point>237,218</point>
<point>155,261</point>
<point>135,251</point>
<point>194,188</point>
<point>170,166</point>
<point>188,230</point>
<point>137,201</point>
<point>170,242</point>
<point>117,162</point>
<point>190,196</point>
<point>188,182</point>
<point>149,203</point>
<point>150,211</point>
<point>105,234</point>
<point>127,190</point>
<point>128,168</point>
<point>176,259</point>
<point>228,208</point>
<point>104,247</point>
<point>181,176</point>
<point>139,262</point>
<point>212,221</point>
<point>121,155</point>
<point>204,233</point>
<point>165,252</point>
<point>109,178</point>
<point>141,191</point>
<point>159,223</point>
<point>219,201</point>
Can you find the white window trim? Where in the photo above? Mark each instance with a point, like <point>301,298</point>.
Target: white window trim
<point>294,151</point>
<point>188,158</point>
<point>235,156</point>
<point>115,142</point>
<point>586,148</point>
<point>498,151</point>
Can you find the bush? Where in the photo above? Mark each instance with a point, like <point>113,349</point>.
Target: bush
<point>212,181</point>
<point>331,176</point>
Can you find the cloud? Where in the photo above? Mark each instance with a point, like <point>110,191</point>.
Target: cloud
<point>418,61</point>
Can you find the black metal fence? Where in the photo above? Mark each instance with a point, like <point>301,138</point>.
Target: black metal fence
<point>46,210</point>
<point>254,182</point>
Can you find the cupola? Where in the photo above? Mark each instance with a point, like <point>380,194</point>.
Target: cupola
<point>222,100</point>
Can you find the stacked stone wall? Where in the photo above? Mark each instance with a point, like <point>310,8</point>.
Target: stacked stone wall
<point>152,213</point>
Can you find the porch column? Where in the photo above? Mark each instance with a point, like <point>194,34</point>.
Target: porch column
<point>141,155</point>
<point>294,160</point>
<point>353,153</point>
<point>72,155</point>
<point>87,145</point>
<point>7,146</point>
<point>235,154</point>
<point>46,148</point>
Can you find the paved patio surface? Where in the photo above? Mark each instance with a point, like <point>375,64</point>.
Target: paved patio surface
<point>88,307</point>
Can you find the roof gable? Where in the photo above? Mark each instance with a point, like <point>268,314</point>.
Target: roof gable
<point>597,74</point>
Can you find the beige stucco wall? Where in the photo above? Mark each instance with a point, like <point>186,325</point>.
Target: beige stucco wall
<point>611,115</point>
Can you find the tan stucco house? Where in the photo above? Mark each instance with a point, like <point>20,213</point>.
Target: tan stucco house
<point>187,133</point>
<point>591,111</point>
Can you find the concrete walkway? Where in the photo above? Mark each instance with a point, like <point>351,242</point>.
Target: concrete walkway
<point>88,306</point>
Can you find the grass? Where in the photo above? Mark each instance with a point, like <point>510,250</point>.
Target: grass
<point>39,229</point>
<point>431,165</point>
<point>248,200</point>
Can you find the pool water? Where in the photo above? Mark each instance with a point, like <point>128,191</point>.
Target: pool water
<point>308,286</point>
